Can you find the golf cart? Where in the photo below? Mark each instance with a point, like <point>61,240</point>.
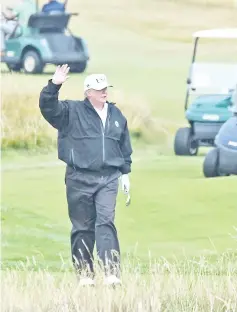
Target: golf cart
<point>222,160</point>
<point>211,84</point>
<point>46,42</point>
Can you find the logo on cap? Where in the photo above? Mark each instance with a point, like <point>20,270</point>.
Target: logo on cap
<point>96,82</point>
<point>116,124</point>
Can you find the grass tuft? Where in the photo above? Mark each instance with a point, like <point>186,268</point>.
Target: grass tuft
<point>165,286</point>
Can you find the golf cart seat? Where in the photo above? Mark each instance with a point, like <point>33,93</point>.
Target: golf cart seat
<point>49,22</point>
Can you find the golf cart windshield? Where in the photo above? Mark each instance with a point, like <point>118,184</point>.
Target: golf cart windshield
<point>215,77</point>
<point>214,67</point>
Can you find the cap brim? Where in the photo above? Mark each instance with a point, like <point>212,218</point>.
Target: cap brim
<point>103,87</point>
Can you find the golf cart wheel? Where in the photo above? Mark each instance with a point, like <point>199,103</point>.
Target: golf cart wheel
<point>210,165</point>
<point>32,63</point>
<point>78,67</point>
<point>184,143</point>
<point>14,67</point>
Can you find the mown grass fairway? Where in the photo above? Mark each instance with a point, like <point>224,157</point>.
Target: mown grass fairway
<point>178,237</point>
<point>178,240</point>
<point>175,211</point>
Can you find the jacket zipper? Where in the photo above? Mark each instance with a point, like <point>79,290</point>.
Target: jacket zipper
<point>103,139</point>
<point>103,135</point>
<point>72,158</point>
<point>108,123</point>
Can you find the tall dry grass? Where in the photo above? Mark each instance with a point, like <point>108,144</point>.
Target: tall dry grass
<point>192,285</point>
<point>22,125</point>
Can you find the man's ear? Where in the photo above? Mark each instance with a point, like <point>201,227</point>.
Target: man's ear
<point>86,93</point>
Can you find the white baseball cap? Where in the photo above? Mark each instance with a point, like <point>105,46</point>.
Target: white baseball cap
<point>96,82</point>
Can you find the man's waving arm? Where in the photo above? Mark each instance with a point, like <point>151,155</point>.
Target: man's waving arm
<point>54,111</point>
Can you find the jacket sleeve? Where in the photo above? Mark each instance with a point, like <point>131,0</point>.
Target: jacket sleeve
<point>126,149</point>
<point>54,111</point>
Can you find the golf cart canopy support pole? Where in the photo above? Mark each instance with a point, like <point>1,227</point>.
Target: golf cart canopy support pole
<point>189,79</point>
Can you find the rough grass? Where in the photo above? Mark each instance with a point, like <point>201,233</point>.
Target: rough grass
<point>191,285</point>
<point>24,127</point>
<point>175,210</point>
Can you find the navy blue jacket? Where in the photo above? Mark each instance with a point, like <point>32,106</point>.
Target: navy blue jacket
<point>83,142</point>
<point>53,6</point>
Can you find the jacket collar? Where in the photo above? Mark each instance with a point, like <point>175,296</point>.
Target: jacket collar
<point>89,105</point>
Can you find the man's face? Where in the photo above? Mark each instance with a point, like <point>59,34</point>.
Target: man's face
<point>99,96</point>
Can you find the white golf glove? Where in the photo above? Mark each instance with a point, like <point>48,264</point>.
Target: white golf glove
<point>125,183</point>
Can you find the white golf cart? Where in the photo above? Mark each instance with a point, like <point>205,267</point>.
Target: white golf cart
<point>211,83</point>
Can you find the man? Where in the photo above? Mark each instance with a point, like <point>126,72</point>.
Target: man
<point>15,17</point>
<point>94,141</point>
<point>54,6</point>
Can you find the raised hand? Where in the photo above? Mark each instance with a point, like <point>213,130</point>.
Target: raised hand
<point>60,75</point>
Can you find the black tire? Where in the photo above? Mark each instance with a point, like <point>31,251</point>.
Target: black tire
<point>210,165</point>
<point>14,67</point>
<point>79,67</point>
<point>36,66</point>
<point>184,143</point>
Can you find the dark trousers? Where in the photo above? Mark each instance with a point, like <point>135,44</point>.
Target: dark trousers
<point>91,201</point>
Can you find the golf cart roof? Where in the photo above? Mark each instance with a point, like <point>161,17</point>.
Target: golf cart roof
<point>227,33</point>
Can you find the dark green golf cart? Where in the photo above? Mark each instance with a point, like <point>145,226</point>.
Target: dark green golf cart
<point>48,41</point>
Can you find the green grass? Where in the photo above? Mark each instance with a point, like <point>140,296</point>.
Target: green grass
<point>175,211</point>
<point>179,227</point>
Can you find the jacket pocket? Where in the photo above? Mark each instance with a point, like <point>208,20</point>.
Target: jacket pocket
<point>86,153</point>
<point>114,156</point>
